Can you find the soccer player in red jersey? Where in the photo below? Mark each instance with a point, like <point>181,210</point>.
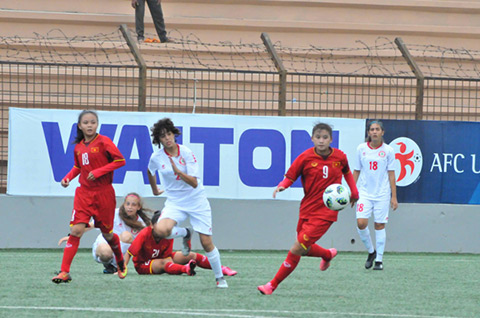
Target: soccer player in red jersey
<point>318,167</point>
<point>95,159</point>
<point>153,254</point>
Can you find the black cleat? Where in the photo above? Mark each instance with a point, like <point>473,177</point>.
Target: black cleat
<point>378,266</point>
<point>109,268</point>
<point>370,259</point>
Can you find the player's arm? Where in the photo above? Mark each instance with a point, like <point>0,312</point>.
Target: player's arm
<point>284,184</point>
<point>347,174</point>
<point>65,238</point>
<point>393,187</point>
<point>65,182</point>
<point>126,258</point>
<point>356,174</point>
<point>292,174</point>
<point>117,161</point>
<point>190,180</point>
<point>152,179</point>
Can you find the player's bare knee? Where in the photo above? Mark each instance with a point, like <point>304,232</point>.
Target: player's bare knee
<point>126,237</point>
<point>161,230</point>
<point>104,252</point>
<point>379,226</point>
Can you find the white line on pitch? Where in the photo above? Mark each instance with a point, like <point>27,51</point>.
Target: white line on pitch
<point>224,312</point>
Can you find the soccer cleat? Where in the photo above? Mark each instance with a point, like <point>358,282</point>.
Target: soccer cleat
<point>221,282</point>
<point>109,268</point>
<point>378,266</point>
<point>191,267</point>
<point>62,277</point>
<point>266,289</point>
<point>148,40</point>
<point>370,259</point>
<point>122,270</point>
<point>228,271</point>
<point>187,242</point>
<point>325,264</point>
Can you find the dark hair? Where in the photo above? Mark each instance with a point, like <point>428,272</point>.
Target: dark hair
<point>155,216</point>
<point>323,126</point>
<point>80,135</point>
<point>160,128</point>
<point>370,123</point>
<point>135,224</point>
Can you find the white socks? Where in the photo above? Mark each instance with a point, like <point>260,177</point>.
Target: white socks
<point>214,259</point>
<point>366,239</point>
<point>380,238</point>
<point>177,232</point>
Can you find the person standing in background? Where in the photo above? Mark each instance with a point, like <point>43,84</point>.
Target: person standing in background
<point>155,7</point>
<point>374,174</point>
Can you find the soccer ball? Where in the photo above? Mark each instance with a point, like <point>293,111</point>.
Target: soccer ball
<point>336,197</point>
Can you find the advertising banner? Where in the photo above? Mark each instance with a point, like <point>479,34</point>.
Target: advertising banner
<point>241,157</point>
<point>437,161</point>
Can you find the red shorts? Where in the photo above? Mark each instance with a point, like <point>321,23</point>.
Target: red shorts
<point>98,204</point>
<point>311,230</point>
<point>144,268</point>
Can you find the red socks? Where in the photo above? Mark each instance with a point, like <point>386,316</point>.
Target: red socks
<point>287,267</point>
<point>116,248</point>
<point>318,251</point>
<point>202,261</point>
<point>174,269</point>
<point>69,252</point>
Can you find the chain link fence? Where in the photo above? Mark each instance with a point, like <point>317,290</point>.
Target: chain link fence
<point>386,79</point>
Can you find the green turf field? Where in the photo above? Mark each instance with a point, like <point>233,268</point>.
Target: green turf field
<point>412,285</point>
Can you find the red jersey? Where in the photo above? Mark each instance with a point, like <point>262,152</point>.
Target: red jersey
<point>100,156</point>
<point>144,247</point>
<point>317,174</point>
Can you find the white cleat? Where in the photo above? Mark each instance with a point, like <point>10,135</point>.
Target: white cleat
<point>187,242</point>
<point>221,283</point>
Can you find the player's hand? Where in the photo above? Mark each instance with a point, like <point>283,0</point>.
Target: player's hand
<point>157,191</point>
<point>278,189</point>
<point>91,177</point>
<point>394,203</point>
<point>174,166</point>
<point>63,239</point>
<point>353,201</point>
<point>134,4</point>
<point>65,182</point>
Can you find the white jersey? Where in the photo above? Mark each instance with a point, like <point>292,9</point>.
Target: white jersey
<point>374,164</point>
<point>179,193</point>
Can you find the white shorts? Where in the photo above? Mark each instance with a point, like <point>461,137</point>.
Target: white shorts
<point>201,221</point>
<point>380,210</point>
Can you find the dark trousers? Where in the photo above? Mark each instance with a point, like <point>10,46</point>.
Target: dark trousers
<point>157,16</point>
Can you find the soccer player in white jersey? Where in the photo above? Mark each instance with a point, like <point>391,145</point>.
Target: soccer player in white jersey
<point>179,175</point>
<point>375,176</point>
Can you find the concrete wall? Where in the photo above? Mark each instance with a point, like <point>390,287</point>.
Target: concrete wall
<point>37,222</point>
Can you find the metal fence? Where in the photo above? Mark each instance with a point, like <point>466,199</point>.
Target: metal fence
<point>258,80</point>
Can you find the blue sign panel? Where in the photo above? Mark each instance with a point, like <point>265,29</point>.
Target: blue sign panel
<point>437,161</point>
